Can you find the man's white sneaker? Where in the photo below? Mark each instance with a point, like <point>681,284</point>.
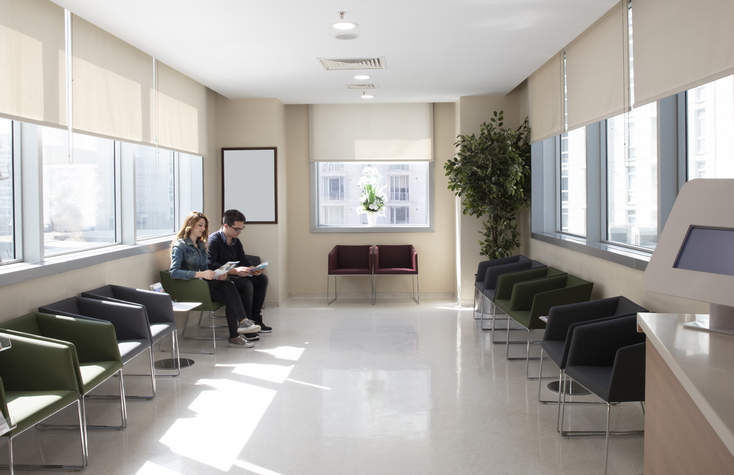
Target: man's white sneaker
<point>240,342</point>
<point>248,326</point>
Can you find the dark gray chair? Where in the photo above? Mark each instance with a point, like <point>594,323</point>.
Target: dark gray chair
<point>608,359</point>
<point>563,319</point>
<point>158,308</point>
<point>130,321</point>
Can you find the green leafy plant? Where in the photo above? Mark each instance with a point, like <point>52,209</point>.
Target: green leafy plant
<point>491,173</point>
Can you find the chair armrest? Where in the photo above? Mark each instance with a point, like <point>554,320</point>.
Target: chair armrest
<point>561,317</point>
<point>596,344</point>
<point>544,301</point>
<point>158,306</point>
<point>331,260</point>
<point>628,374</point>
<point>506,282</point>
<point>130,320</point>
<point>414,256</point>
<point>93,340</point>
<point>523,293</point>
<point>194,290</point>
<point>36,365</point>
<point>493,273</point>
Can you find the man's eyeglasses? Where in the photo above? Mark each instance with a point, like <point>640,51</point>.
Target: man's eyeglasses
<point>236,229</point>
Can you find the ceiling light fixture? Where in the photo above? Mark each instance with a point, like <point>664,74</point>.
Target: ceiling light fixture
<point>361,77</point>
<point>343,25</point>
<point>367,96</point>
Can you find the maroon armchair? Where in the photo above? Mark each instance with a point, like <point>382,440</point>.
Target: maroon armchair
<point>397,260</point>
<point>349,261</point>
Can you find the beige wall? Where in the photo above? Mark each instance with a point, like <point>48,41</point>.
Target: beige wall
<point>307,251</point>
<point>259,123</point>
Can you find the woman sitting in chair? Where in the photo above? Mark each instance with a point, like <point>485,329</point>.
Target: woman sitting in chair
<point>188,261</point>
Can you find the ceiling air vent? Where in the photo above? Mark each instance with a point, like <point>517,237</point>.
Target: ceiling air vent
<point>361,86</point>
<point>352,64</point>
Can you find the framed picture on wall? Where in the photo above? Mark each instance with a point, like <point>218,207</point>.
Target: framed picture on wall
<point>249,183</point>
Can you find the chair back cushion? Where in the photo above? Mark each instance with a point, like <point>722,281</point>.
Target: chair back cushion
<point>106,291</point>
<point>351,257</point>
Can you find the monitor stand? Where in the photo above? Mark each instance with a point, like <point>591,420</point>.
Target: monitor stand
<point>721,320</point>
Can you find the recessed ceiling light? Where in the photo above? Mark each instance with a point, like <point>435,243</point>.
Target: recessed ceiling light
<point>347,36</point>
<point>361,77</point>
<point>343,25</point>
<point>367,96</point>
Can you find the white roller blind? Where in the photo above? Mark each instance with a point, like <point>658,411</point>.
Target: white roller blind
<point>112,86</point>
<point>596,70</point>
<point>545,97</point>
<point>678,44</point>
<point>32,66</point>
<point>181,111</point>
<point>371,132</point>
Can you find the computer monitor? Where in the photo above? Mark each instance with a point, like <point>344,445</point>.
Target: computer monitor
<point>694,257</point>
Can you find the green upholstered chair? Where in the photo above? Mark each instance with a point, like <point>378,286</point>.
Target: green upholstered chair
<point>532,299</point>
<point>505,284</point>
<point>130,321</point>
<point>96,354</point>
<point>194,290</point>
<point>38,379</point>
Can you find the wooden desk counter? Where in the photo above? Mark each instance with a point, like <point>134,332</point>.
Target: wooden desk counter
<point>689,420</point>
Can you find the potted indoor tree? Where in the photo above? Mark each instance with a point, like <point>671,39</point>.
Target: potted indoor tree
<point>491,173</point>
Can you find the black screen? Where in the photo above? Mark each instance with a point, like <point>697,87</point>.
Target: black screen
<point>707,250</point>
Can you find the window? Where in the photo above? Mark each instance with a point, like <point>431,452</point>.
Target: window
<point>333,188</point>
<point>7,201</point>
<point>154,192</point>
<point>399,215</point>
<point>336,195</point>
<point>79,193</point>
<point>399,188</point>
<point>573,182</point>
<point>624,174</point>
<point>710,120</point>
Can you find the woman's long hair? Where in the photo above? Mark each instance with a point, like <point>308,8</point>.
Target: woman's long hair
<point>191,219</point>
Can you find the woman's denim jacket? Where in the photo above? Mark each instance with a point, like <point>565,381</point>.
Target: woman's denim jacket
<point>187,259</point>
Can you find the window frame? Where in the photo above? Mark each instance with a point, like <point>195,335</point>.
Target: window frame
<point>314,209</point>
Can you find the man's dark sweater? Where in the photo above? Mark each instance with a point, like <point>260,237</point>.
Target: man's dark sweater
<point>220,252</point>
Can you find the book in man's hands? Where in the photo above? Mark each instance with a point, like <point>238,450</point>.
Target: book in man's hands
<point>225,268</point>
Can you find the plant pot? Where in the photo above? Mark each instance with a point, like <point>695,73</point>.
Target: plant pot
<point>371,219</point>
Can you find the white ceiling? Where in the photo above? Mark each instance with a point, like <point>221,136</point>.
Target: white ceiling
<point>435,50</point>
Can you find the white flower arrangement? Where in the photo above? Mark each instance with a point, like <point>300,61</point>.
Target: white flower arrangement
<point>372,199</point>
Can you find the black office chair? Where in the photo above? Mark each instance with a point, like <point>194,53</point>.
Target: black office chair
<point>608,359</point>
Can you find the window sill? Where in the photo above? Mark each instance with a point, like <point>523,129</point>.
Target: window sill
<point>608,252</point>
<point>372,229</point>
<point>23,271</point>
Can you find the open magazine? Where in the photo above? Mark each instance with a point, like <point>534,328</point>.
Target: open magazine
<point>258,267</point>
<point>225,268</point>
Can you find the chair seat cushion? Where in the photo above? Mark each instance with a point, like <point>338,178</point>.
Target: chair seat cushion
<point>594,378</point>
<point>395,270</point>
<point>95,373</point>
<point>26,408</point>
<point>350,271</point>
<point>129,349</point>
<point>159,330</point>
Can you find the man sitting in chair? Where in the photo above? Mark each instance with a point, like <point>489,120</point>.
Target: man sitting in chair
<point>252,285</point>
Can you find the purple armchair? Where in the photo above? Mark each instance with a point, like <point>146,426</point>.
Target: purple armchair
<point>397,260</point>
<point>349,261</point>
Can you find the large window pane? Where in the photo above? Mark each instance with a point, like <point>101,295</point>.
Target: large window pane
<point>405,184</point>
<point>632,178</point>
<point>7,218</point>
<point>573,182</point>
<point>710,121</point>
<point>190,184</point>
<point>78,197</point>
<point>154,192</point>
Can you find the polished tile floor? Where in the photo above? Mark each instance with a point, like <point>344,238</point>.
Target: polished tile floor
<point>394,388</point>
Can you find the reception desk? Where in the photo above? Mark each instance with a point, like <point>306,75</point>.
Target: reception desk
<point>689,417</point>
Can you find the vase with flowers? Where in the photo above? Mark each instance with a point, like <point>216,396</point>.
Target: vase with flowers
<point>372,199</point>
